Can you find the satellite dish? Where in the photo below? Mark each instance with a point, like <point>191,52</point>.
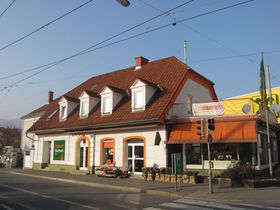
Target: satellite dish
<point>258,101</point>
<point>274,108</point>
<point>246,108</point>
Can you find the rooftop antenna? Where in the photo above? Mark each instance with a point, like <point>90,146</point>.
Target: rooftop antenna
<point>185,52</point>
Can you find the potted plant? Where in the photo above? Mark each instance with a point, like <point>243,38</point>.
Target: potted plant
<point>193,177</point>
<point>162,172</point>
<point>145,173</point>
<point>168,174</point>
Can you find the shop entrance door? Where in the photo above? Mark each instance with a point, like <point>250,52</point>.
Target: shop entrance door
<point>135,157</point>
<point>83,163</point>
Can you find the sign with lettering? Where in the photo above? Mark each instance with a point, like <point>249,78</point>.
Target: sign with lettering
<point>208,109</point>
<point>59,150</point>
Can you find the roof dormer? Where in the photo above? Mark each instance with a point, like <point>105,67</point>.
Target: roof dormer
<point>88,100</point>
<point>110,97</point>
<point>66,105</point>
<point>141,93</point>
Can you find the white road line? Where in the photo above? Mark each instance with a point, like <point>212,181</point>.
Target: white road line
<point>209,204</point>
<point>259,206</point>
<point>5,207</point>
<point>152,208</point>
<point>182,206</point>
<point>49,197</point>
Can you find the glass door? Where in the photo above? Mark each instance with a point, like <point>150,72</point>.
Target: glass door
<point>83,155</point>
<point>135,157</point>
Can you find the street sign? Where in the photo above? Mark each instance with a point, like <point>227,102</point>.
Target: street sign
<point>177,163</point>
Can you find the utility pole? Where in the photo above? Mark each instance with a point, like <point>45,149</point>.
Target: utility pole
<point>185,52</point>
<point>267,122</point>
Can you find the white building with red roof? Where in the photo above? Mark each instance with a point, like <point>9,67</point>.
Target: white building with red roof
<point>122,117</point>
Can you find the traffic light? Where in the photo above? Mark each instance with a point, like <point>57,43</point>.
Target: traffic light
<point>211,124</point>
<point>201,128</point>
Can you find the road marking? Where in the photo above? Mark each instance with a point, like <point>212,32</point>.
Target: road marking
<point>182,206</point>
<point>49,197</point>
<point>259,206</point>
<point>152,208</point>
<point>208,204</point>
<point>5,207</point>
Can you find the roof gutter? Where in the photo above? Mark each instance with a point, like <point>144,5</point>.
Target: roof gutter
<point>100,127</point>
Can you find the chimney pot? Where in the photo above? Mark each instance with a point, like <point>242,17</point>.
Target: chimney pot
<point>50,96</point>
<point>140,61</point>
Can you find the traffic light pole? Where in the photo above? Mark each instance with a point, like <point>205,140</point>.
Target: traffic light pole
<point>210,170</point>
<point>209,159</point>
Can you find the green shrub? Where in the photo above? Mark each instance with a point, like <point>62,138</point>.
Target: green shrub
<point>239,173</point>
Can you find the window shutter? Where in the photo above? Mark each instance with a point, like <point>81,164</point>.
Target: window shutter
<point>139,99</point>
<point>107,104</point>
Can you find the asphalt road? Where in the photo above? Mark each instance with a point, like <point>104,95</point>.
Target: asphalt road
<point>19,192</point>
<point>28,193</point>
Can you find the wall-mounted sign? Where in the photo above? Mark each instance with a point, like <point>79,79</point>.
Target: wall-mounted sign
<point>208,109</point>
<point>59,150</point>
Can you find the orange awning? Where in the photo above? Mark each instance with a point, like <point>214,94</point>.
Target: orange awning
<point>225,132</point>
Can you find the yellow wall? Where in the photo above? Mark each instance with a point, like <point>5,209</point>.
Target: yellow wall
<point>233,106</point>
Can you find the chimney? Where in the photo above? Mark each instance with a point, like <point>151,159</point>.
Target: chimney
<point>50,97</point>
<point>140,61</point>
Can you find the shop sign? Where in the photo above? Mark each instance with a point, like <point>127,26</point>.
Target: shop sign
<point>208,109</point>
<point>59,150</point>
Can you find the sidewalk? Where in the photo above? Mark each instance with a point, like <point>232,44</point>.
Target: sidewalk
<point>195,192</point>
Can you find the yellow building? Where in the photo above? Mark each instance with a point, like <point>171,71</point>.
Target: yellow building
<point>249,103</point>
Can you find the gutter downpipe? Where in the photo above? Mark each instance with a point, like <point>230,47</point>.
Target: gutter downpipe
<point>32,148</point>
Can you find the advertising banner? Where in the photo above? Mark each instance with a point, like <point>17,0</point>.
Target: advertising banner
<point>208,109</point>
<point>59,150</point>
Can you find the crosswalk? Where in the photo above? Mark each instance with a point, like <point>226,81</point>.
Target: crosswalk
<point>205,205</point>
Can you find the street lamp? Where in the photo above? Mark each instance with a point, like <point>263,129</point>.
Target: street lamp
<point>124,3</point>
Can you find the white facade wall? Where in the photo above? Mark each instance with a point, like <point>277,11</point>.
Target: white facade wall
<point>26,143</point>
<point>154,154</point>
<point>192,89</point>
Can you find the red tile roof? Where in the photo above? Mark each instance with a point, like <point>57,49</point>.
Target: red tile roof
<point>169,73</point>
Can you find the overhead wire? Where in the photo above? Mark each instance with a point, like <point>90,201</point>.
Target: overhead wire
<point>134,36</point>
<point>5,10</point>
<point>44,26</point>
<point>237,56</point>
<point>97,44</point>
<point>196,31</point>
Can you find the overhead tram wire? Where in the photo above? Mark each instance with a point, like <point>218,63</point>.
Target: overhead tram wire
<point>7,8</point>
<point>44,26</point>
<point>196,31</point>
<point>97,44</point>
<point>134,36</point>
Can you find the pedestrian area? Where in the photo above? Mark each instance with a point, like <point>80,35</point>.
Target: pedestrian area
<point>201,205</point>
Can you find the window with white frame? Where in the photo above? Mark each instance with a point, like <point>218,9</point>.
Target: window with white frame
<point>189,103</point>
<point>63,112</point>
<point>84,108</point>
<point>107,104</point>
<point>139,102</point>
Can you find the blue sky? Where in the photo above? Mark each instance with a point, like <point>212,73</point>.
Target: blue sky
<point>217,44</point>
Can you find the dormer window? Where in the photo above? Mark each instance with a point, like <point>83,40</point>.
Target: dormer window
<point>107,104</point>
<point>66,106</point>
<point>139,99</point>
<point>110,97</point>
<point>84,108</point>
<point>88,100</point>
<point>63,112</point>
<point>141,92</point>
